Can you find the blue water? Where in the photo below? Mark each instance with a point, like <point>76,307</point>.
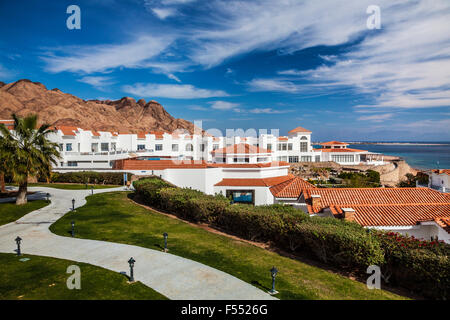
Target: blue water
<point>417,156</point>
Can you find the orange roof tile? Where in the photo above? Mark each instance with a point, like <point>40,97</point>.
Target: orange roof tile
<point>299,129</point>
<point>283,139</point>
<point>399,214</point>
<point>141,135</point>
<point>131,164</point>
<point>441,171</point>
<point>332,143</point>
<point>67,130</point>
<point>291,188</point>
<point>249,165</point>
<point>241,148</point>
<point>349,197</point>
<point>444,223</point>
<point>264,182</point>
<point>340,150</point>
<point>95,133</point>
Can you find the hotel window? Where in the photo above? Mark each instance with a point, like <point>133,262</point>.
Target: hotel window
<point>303,146</point>
<point>293,159</point>
<point>317,158</point>
<point>72,163</point>
<point>269,146</point>
<point>342,158</point>
<point>282,147</point>
<point>94,147</point>
<point>61,147</point>
<point>303,138</point>
<point>283,158</point>
<point>215,146</point>
<point>141,146</point>
<point>306,158</point>
<point>289,146</point>
<point>202,147</point>
<point>158,147</point>
<point>113,146</point>
<point>189,147</point>
<point>261,159</point>
<point>104,146</point>
<point>68,147</point>
<point>174,147</point>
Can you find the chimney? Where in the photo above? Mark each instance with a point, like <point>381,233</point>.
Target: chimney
<point>315,198</point>
<point>349,214</point>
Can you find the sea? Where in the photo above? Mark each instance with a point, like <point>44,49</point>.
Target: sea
<point>419,155</point>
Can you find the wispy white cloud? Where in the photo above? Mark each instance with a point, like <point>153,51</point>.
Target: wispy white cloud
<point>224,105</point>
<point>174,91</point>
<point>173,77</point>
<point>377,117</point>
<point>163,13</point>
<point>100,58</point>
<point>268,111</point>
<point>99,82</point>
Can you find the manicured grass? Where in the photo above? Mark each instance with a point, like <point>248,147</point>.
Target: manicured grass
<point>69,186</point>
<point>45,278</point>
<point>113,217</point>
<point>10,212</point>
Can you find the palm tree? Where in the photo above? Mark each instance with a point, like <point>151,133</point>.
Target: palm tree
<point>5,156</point>
<point>30,152</point>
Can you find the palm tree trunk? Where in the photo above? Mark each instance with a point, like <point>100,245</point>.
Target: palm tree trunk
<point>2,182</point>
<point>22,194</point>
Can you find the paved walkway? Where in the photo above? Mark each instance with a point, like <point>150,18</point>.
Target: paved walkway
<point>173,276</point>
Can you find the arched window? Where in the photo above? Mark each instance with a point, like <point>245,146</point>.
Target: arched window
<point>303,138</point>
<point>189,147</point>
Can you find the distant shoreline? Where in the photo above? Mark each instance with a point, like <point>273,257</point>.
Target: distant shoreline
<point>397,143</point>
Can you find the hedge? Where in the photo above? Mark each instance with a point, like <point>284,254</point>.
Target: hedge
<point>91,177</point>
<point>421,266</point>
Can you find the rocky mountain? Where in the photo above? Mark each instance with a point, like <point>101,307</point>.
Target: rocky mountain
<point>55,107</point>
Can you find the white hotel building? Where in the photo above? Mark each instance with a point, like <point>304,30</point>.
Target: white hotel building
<point>83,149</point>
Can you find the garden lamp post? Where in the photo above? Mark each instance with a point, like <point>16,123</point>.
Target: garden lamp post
<point>165,241</point>
<point>92,189</point>
<point>131,263</point>
<point>48,197</point>
<point>273,272</point>
<point>18,239</point>
<point>73,228</point>
<point>73,204</point>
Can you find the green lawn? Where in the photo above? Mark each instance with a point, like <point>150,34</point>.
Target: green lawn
<point>69,186</point>
<point>10,212</point>
<point>113,217</point>
<point>45,278</point>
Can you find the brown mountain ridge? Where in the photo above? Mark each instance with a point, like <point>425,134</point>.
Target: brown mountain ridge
<point>55,107</point>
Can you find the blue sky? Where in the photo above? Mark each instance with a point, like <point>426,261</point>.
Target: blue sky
<point>247,64</point>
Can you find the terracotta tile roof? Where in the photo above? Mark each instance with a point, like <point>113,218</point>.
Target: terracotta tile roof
<point>114,134</point>
<point>400,214</point>
<point>444,223</point>
<point>9,124</point>
<point>67,130</point>
<point>188,137</point>
<point>299,129</point>
<point>241,148</point>
<point>283,139</point>
<point>95,133</point>
<point>249,165</point>
<point>265,182</point>
<point>348,197</point>
<point>291,188</point>
<point>441,171</point>
<point>131,164</point>
<point>333,143</point>
<point>141,135</point>
<point>340,150</point>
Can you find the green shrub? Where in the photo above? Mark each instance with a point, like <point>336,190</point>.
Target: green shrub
<point>90,177</point>
<point>421,266</point>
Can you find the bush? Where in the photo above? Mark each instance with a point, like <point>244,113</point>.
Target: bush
<point>421,266</point>
<point>91,177</point>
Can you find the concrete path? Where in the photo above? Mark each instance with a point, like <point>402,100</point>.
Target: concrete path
<point>173,276</point>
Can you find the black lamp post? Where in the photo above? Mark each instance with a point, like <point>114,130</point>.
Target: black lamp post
<point>73,228</point>
<point>165,241</point>
<point>92,189</point>
<point>48,197</point>
<point>18,239</point>
<point>131,263</point>
<point>73,204</point>
<point>273,272</point>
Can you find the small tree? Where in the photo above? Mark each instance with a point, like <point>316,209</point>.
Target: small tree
<point>29,151</point>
